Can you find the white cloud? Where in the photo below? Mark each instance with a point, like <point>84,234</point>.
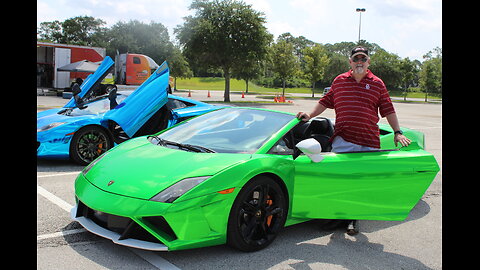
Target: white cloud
<point>45,12</point>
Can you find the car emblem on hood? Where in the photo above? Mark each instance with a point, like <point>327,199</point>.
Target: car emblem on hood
<point>110,183</point>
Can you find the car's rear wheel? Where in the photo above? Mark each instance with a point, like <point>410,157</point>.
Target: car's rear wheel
<point>257,215</point>
<point>89,143</point>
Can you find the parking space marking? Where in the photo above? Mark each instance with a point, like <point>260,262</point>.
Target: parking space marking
<point>56,200</point>
<point>154,259</point>
<point>148,256</point>
<point>57,234</point>
<point>57,174</point>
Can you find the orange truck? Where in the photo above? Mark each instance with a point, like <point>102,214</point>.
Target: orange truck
<point>133,69</point>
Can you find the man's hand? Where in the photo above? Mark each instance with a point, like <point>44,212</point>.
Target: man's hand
<point>404,141</point>
<point>303,116</point>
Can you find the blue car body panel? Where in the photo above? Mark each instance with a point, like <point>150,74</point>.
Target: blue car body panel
<point>92,79</point>
<point>130,114</point>
<point>138,107</point>
<point>55,143</point>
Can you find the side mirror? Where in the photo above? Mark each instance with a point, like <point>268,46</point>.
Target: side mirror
<point>311,148</point>
<point>78,100</point>
<point>112,96</point>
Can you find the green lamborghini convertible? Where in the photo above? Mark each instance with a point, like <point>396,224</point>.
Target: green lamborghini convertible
<point>238,176</point>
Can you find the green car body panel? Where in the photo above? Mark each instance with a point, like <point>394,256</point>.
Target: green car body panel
<point>382,185</point>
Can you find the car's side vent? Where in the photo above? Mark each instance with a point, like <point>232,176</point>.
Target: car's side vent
<point>161,224</point>
<point>124,226</point>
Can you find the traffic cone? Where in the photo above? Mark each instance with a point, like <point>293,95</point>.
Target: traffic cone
<point>208,95</point>
<point>189,93</point>
<point>243,95</point>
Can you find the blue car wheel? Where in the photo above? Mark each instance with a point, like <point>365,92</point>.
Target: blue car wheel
<point>89,143</point>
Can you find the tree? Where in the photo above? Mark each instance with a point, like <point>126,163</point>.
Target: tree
<point>179,67</point>
<point>80,30</point>
<point>316,61</point>
<point>136,37</point>
<point>50,31</point>
<point>386,66</point>
<point>409,72</point>
<point>343,48</point>
<point>431,72</point>
<point>223,34</point>
<point>299,43</point>
<point>285,63</point>
<point>247,70</point>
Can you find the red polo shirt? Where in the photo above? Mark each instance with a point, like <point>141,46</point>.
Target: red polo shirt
<point>357,106</point>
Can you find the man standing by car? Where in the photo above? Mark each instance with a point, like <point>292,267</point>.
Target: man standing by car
<point>357,96</point>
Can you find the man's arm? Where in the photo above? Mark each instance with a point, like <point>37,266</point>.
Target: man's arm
<point>318,109</point>
<point>393,122</point>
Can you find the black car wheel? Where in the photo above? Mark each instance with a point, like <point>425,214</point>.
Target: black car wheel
<point>257,215</point>
<point>89,143</point>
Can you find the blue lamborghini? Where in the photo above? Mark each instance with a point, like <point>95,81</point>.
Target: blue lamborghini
<point>94,120</point>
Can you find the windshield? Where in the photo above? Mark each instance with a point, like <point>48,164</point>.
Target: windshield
<point>98,106</point>
<point>229,130</point>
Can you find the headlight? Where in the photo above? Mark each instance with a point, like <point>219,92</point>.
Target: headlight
<point>50,126</point>
<point>176,190</point>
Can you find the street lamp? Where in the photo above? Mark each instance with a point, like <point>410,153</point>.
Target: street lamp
<point>360,10</point>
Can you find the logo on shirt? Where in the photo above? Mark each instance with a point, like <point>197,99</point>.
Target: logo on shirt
<point>367,86</point>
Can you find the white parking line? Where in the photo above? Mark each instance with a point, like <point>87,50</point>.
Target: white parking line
<point>56,200</point>
<point>148,256</point>
<point>57,234</point>
<point>154,259</point>
<point>57,174</point>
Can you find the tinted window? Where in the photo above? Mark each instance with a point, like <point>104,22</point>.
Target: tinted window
<point>173,104</point>
<point>229,130</point>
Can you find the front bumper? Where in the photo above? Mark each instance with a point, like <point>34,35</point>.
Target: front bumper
<point>150,225</point>
<point>53,147</point>
<point>120,239</point>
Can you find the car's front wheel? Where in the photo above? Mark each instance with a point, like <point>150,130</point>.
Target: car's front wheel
<point>257,215</point>
<point>89,143</point>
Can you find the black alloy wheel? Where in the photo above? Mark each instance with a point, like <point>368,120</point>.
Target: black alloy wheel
<point>89,143</point>
<point>257,215</point>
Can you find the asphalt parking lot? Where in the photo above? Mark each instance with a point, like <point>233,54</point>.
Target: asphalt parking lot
<point>415,243</point>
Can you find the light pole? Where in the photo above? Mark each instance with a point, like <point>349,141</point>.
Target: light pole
<point>360,10</point>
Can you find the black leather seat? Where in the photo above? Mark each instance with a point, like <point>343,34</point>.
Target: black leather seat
<point>321,129</point>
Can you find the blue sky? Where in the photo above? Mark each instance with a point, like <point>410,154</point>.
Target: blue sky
<point>408,28</point>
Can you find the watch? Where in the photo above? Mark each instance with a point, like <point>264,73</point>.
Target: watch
<point>398,132</point>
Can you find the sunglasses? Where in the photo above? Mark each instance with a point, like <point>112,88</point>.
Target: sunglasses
<point>362,59</point>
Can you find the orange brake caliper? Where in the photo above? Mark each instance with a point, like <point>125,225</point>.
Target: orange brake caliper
<point>269,218</point>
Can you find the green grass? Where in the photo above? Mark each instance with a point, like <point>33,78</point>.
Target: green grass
<point>218,84</point>
<point>411,94</point>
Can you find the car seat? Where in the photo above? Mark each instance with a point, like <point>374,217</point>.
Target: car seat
<point>321,129</point>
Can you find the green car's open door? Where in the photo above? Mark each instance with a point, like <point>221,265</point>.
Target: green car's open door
<point>383,185</point>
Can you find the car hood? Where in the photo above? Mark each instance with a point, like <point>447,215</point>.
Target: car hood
<point>51,116</point>
<point>134,111</point>
<point>140,169</point>
<point>93,80</point>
